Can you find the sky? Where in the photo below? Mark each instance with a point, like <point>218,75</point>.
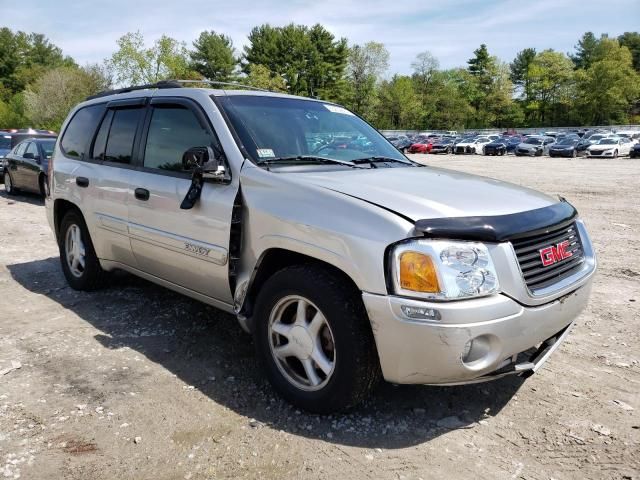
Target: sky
<point>451,30</point>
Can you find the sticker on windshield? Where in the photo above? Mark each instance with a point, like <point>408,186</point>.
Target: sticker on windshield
<point>336,109</point>
<point>265,153</point>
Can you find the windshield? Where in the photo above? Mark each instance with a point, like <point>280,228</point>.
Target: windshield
<point>5,142</point>
<point>276,127</point>
<point>533,141</point>
<point>47,147</point>
<point>608,141</point>
<point>567,141</point>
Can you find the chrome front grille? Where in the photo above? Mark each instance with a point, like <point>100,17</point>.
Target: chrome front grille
<point>528,250</point>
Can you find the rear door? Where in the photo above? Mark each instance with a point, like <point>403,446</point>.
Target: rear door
<point>189,248</point>
<point>112,151</point>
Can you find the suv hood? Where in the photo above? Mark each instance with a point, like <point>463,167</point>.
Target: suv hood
<point>425,193</point>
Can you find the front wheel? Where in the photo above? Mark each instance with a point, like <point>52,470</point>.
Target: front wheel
<point>9,185</point>
<point>313,336</point>
<point>615,154</point>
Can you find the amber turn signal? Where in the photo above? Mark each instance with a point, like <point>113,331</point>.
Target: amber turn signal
<point>418,273</point>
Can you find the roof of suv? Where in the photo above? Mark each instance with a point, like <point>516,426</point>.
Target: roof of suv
<point>175,88</point>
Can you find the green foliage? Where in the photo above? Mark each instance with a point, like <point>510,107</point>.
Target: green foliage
<point>261,77</point>
<point>597,84</point>
<point>365,66</point>
<point>398,104</point>
<point>213,57</point>
<point>134,64</point>
<point>585,50</point>
<point>631,40</point>
<point>608,86</point>
<point>310,60</point>
<point>551,79</point>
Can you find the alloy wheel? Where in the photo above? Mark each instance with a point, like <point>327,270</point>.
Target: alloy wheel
<point>7,182</point>
<point>302,343</point>
<point>75,251</point>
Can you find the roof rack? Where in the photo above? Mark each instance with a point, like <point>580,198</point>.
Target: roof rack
<point>172,84</point>
<point>216,82</point>
<point>160,84</point>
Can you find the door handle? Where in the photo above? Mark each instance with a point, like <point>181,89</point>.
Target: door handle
<point>142,194</point>
<point>82,182</point>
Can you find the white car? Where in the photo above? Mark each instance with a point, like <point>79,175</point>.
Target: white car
<point>475,145</point>
<point>610,147</point>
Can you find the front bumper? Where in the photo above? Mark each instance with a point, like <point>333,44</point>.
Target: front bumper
<point>431,351</point>
<point>600,153</point>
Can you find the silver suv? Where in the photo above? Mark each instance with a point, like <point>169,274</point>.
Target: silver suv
<point>346,261</point>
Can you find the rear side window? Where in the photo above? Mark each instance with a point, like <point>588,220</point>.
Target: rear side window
<point>80,130</point>
<point>19,150</point>
<point>119,147</point>
<point>173,130</point>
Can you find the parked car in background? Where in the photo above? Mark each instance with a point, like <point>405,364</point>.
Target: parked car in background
<point>635,151</point>
<point>566,147</point>
<point>610,147</point>
<point>632,135</point>
<point>9,138</point>
<point>444,145</point>
<point>496,147</point>
<point>473,145</point>
<point>401,142</point>
<point>534,146</point>
<point>421,145</point>
<point>26,166</point>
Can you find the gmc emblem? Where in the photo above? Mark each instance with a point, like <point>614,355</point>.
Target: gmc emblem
<point>555,253</point>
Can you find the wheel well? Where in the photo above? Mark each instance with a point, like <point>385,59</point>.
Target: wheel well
<point>60,209</point>
<point>274,260</point>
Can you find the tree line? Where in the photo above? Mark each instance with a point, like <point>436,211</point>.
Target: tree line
<point>598,83</point>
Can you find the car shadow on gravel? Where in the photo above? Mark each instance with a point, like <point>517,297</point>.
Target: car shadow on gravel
<point>206,349</point>
<point>22,197</point>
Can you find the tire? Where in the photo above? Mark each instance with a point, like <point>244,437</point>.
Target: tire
<point>615,154</point>
<point>448,152</point>
<point>89,276</point>
<point>42,185</point>
<point>574,153</point>
<point>9,184</point>
<point>345,340</point>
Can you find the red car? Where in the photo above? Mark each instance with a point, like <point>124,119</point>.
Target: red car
<point>421,145</point>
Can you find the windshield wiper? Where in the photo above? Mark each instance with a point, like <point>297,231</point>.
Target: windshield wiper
<point>373,160</point>
<point>305,158</point>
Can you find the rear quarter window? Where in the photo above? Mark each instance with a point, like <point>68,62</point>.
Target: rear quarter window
<point>79,132</point>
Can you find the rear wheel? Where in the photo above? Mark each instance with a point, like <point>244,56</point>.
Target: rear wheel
<point>9,184</point>
<point>42,183</point>
<point>80,263</point>
<point>314,339</point>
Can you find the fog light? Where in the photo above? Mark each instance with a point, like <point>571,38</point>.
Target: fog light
<point>421,313</point>
<point>477,350</point>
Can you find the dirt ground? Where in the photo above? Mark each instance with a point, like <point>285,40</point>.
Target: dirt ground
<point>137,382</point>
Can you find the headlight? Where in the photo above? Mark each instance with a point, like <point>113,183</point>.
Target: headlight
<point>443,270</point>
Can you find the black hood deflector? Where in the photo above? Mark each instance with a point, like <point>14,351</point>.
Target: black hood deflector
<point>499,228</point>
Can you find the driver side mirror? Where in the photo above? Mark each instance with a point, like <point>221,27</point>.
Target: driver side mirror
<point>203,159</point>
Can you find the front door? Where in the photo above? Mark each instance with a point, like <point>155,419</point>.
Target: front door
<point>189,248</point>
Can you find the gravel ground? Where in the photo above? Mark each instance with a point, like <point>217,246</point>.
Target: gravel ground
<point>135,381</point>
